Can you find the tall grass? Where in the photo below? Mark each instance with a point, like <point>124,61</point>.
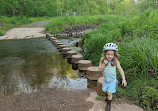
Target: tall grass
<point>146,24</point>
<point>140,56</point>
<point>60,23</point>
<point>93,42</point>
<point>2,32</point>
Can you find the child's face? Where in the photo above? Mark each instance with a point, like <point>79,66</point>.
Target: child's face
<point>109,55</point>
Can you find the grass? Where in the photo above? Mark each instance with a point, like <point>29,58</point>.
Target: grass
<point>60,23</point>
<point>98,97</point>
<point>2,32</point>
<point>140,56</point>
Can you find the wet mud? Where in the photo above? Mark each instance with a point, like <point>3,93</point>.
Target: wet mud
<point>47,100</point>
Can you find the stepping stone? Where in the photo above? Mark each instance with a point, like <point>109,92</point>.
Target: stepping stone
<point>69,55</point>
<point>99,86</point>
<point>61,46</point>
<point>57,45</point>
<point>84,64</point>
<point>64,51</point>
<point>49,35</point>
<point>75,59</point>
<point>53,38</point>
<point>91,84</point>
<point>93,73</point>
<point>55,41</point>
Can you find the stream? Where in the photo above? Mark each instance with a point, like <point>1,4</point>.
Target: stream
<point>31,64</point>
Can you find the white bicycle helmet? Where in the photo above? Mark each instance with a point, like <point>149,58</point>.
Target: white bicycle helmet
<point>110,46</point>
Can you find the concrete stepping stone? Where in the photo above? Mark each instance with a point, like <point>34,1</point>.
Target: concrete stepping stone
<point>55,41</point>
<point>53,38</point>
<point>64,51</point>
<point>57,45</point>
<point>99,86</point>
<point>61,46</point>
<point>83,65</point>
<point>75,59</point>
<point>91,84</point>
<point>93,73</point>
<point>69,55</point>
<point>49,35</point>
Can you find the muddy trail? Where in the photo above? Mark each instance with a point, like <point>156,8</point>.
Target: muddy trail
<point>55,99</point>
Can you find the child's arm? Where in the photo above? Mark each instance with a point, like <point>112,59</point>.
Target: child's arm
<point>102,65</point>
<point>124,83</point>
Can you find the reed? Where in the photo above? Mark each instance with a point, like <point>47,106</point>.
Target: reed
<point>140,56</point>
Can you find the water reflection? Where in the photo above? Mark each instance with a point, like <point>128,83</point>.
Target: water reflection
<point>28,65</point>
<point>70,42</point>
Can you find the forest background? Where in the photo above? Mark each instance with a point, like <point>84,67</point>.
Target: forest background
<point>131,24</point>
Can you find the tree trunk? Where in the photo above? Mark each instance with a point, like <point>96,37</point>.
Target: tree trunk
<point>156,3</point>
<point>13,11</point>
<point>22,7</point>
<point>57,8</point>
<point>60,8</point>
<point>35,7</point>
<point>108,2</point>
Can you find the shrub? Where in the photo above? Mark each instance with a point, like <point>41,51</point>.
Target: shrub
<point>60,23</point>
<point>142,90</point>
<point>143,25</point>
<point>1,32</point>
<point>149,98</point>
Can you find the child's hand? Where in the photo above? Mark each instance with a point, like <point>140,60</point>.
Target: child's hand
<point>105,62</point>
<point>124,83</point>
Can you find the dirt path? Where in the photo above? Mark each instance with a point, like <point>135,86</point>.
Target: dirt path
<point>32,30</point>
<point>54,99</point>
<point>99,105</point>
<point>60,100</point>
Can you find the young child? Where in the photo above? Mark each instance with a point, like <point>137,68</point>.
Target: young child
<point>108,65</point>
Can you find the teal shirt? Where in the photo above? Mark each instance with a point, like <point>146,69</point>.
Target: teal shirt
<point>109,72</point>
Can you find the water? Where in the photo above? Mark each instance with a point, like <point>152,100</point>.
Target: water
<point>70,42</point>
<point>29,65</point>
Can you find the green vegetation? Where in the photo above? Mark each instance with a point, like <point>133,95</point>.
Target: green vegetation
<point>61,23</point>
<point>81,7</point>
<point>98,97</point>
<point>61,7</point>
<point>7,23</point>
